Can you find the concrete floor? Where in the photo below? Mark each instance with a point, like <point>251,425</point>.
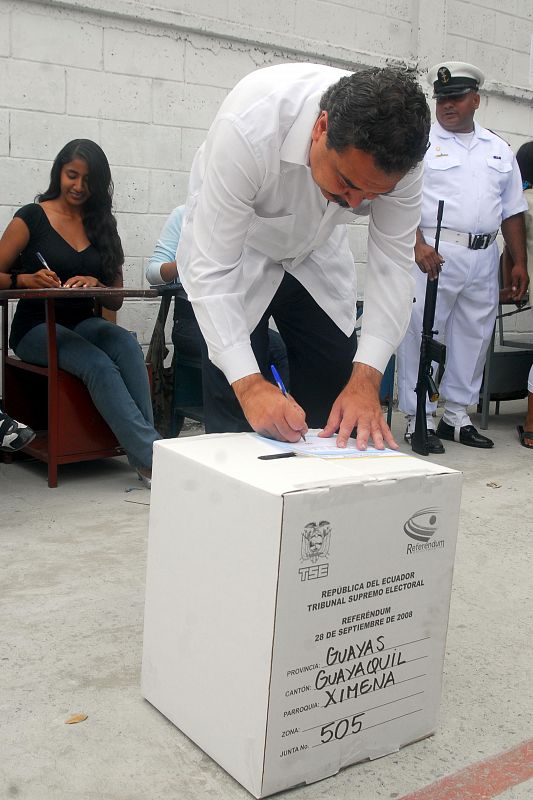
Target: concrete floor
<point>71,610</point>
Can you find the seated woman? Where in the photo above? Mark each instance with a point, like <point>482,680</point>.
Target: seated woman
<point>186,335</point>
<point>69,238</point>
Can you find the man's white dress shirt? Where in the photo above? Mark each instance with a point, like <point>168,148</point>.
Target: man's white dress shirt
<point>254,211</point>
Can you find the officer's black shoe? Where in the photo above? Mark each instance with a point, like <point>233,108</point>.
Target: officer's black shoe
<point>435,445</point>
<point>467,435</point>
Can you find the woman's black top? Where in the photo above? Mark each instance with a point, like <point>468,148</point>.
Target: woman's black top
<point>65,261</point>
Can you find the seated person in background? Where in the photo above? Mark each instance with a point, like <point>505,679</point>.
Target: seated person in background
<point>186,336</point>
<point>13,435</point>
<point>69,238</point>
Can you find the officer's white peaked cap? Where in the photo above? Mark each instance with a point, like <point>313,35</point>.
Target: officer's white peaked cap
<point>454,78</point>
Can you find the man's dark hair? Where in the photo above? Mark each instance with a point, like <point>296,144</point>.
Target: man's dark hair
<point>381,111</point>
<point>524,157</point>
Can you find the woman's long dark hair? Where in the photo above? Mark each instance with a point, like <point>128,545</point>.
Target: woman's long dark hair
<point>98,220</point>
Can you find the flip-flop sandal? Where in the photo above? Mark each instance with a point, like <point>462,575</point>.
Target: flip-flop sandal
<point>523,435</point>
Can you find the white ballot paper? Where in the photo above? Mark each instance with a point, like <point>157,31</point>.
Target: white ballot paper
<point>315,445</point>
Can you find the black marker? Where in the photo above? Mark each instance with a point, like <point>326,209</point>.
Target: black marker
<point>276,455</point>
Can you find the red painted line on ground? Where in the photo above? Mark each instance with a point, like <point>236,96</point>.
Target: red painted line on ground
<point>483,780</point>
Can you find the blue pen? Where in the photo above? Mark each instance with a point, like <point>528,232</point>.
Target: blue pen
<point>43,261</point>
<point>281,386</point>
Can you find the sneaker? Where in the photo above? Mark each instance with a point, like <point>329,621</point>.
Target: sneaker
<point>13,435</point>
<point>145,480</point>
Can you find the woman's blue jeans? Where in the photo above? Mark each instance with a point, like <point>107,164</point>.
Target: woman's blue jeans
<point>109,361</point>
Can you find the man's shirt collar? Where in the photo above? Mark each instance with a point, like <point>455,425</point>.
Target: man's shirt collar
<point>297,143</point>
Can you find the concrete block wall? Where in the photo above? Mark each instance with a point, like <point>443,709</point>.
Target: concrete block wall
<point>146,81</point>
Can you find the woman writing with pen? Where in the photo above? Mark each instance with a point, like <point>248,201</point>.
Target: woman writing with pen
<point>69,238</point>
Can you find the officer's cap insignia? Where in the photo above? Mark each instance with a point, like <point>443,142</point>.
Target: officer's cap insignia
<point>444,75</point>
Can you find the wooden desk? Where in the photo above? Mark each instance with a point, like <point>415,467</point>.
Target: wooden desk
<point>53,402</point>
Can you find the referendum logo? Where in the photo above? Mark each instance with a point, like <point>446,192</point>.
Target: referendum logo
<point>422,525</point>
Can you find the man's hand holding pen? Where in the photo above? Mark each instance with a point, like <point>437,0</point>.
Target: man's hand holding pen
<point>281,386</point>
<point>269,411</point>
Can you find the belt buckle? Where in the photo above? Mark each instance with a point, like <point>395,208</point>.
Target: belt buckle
<point>478,241</point>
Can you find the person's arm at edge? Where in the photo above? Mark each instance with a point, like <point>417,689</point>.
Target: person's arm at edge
<point>14,240</point>
<point>514,205</point>
<point>162,269</point>
<point>514,234</point>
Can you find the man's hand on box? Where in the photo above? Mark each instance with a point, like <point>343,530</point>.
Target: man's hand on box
<point>268,411</point>
<point>358,406</point>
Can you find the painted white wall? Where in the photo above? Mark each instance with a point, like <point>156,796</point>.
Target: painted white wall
<point>146,82</point>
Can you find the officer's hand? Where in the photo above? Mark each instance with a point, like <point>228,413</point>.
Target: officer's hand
<point>428,260</point>
<point>506,295</point>
<point>268,411</point>
<point>519,282</point>
<point>358,406</point>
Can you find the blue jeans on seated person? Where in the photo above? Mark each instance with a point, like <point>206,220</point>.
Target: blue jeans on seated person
<point>110,363</point>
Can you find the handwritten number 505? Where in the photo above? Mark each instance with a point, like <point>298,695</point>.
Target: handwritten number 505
<point>340,728</point>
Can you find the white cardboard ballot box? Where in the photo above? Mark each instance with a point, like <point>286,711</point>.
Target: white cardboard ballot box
<point>296,608</point>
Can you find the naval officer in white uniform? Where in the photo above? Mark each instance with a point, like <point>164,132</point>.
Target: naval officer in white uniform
<point>474,171</point>
<point>292,152</point>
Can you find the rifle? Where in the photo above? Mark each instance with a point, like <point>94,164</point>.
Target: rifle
<point>430,350</point>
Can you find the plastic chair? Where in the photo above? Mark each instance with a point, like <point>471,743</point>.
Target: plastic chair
<point>506,369</point>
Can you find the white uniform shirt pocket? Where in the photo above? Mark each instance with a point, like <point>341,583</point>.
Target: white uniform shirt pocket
<point>499,164</point>
<point>499,173</point>
<point>272,236</point>
<point>442,162</point>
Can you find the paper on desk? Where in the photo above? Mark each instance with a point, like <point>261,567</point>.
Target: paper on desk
<point>327,448</point>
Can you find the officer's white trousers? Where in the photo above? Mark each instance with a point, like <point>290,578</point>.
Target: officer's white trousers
<point>467,302</point>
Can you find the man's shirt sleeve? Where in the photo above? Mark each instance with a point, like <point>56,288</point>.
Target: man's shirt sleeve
<point>389,284</point>
<point>212,245</point>
<point>513,200</point>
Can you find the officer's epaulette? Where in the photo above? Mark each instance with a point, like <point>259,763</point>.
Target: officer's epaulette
<point>499,137</point>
